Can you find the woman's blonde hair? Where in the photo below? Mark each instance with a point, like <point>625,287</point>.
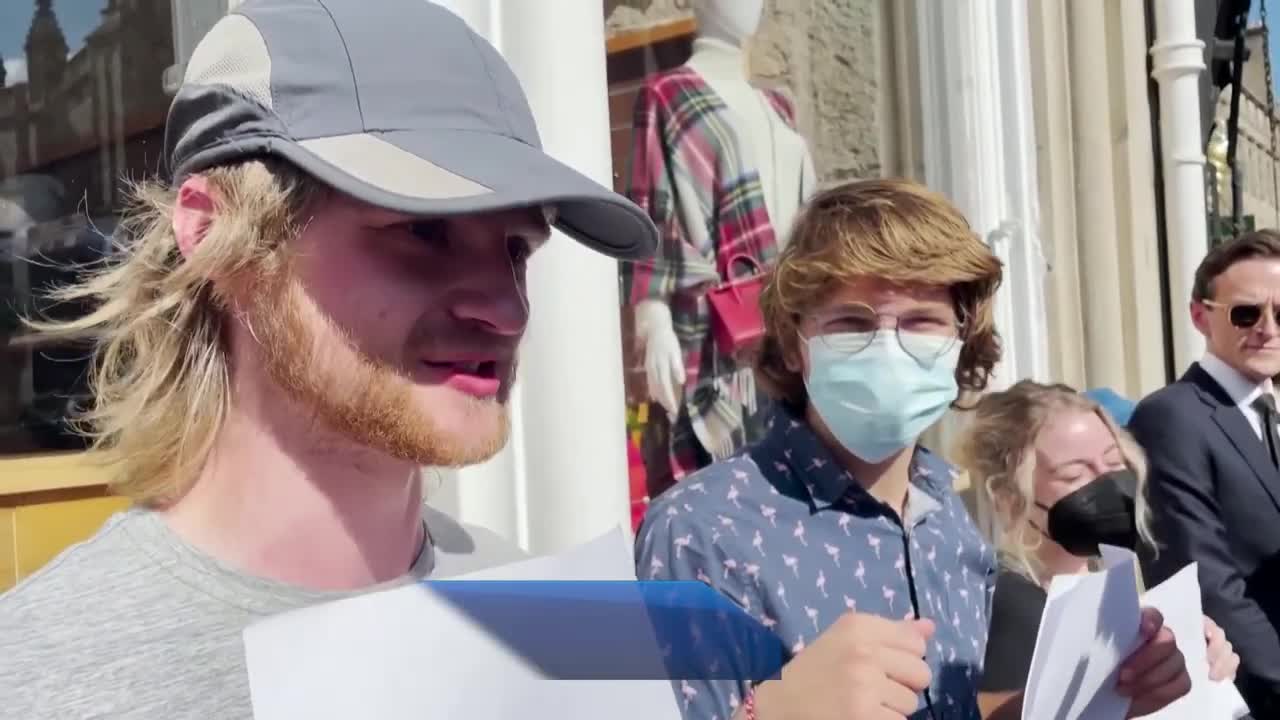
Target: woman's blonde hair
<point>997,449</point>
<point>888,228</point>
<point>160,377</point>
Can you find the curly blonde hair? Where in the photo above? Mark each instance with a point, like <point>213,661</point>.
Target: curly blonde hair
<point>888,228</point>
<point>997,449</point>
<point>160,377</point>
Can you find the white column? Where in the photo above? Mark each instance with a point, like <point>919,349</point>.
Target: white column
<point>1096,197</point>
<point>1026,261</point>
<point>1177,61</point>
<point>1050,49</point>
<point>563,478</point>
<point>979,150</point>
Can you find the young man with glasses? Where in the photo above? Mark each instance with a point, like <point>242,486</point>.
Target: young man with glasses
<point>1213,448</point>
<point>838,530</point>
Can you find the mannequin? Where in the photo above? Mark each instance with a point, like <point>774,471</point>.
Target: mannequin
<point>762,174</point>
<point>777,152</point>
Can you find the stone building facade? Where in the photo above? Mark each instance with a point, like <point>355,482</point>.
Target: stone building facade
<point>88,115</point>
<point>826,56</point>
<point>1255,152</point>
<point>85,119</point>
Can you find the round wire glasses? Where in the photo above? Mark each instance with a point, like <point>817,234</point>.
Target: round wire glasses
<point>925,333</point>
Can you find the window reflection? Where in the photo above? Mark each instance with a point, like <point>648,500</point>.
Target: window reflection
<point>82,106</point>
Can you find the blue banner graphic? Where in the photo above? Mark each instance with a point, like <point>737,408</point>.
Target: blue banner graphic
<point>609,630</point>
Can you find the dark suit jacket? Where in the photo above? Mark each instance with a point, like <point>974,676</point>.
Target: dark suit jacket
<point>1215,500</point>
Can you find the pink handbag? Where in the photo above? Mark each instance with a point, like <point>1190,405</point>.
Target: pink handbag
<point>736,322</point>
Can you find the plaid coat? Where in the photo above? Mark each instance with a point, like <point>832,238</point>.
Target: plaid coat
<point>687,171</point>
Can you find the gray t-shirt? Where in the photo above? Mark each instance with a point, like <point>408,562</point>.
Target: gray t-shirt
<point>136,624</point>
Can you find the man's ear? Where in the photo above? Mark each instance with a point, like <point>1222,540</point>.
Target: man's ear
<point>192,214</point>
<point>1200,317</point>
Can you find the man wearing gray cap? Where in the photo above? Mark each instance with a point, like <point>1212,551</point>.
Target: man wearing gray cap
<point>325,294</point>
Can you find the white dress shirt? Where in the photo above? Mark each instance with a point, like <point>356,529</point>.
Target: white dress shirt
<point>1241,389</point>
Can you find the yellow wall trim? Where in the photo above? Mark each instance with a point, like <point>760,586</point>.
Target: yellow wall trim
<point>57,471</point>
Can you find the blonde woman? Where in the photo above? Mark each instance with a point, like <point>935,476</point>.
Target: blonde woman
<point>1059,477</point>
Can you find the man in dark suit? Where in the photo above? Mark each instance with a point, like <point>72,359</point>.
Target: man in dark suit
<point>1214,454</point>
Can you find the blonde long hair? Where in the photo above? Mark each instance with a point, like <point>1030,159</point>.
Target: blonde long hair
<point>998,451</point>
<point>160,377</point>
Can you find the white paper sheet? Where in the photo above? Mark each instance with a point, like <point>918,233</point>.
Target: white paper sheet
<point>406,654</point>
<point>1090,624</point>
<point>1092,627</point>
<point>1178,600</point>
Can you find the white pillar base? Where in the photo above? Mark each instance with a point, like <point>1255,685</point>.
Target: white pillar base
<point>563,477</point>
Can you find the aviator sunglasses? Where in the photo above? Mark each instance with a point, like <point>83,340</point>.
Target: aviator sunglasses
<point>1246,315</point>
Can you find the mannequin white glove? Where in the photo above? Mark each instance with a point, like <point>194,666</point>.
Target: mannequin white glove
<point>663,359</point>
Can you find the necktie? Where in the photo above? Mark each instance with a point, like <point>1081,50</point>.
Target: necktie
<point>1266,407</point>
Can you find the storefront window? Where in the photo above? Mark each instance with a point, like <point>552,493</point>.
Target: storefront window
<point>82,108</point>
<point>725,118</point>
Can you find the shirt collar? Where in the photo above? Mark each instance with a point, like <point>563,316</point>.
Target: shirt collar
<point>1240,389</point>
<point>795,459</point>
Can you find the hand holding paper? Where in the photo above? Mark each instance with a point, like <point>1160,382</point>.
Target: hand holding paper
<point>1091,625</point>
<point>1223,660</point>
<point>1179,599</point>
<point>862,666</point>
<point>1155,675</point>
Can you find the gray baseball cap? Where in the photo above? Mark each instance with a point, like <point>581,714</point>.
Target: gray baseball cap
<point>397,103</point>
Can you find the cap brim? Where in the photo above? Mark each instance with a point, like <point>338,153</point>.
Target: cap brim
<point>457,172</point>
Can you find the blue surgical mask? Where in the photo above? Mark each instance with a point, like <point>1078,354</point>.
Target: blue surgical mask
<point>880,399</point>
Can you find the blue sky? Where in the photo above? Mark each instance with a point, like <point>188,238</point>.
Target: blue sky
<point>76,17</point>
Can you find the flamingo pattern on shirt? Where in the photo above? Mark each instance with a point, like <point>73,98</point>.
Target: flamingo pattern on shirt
<point>784,531</point>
